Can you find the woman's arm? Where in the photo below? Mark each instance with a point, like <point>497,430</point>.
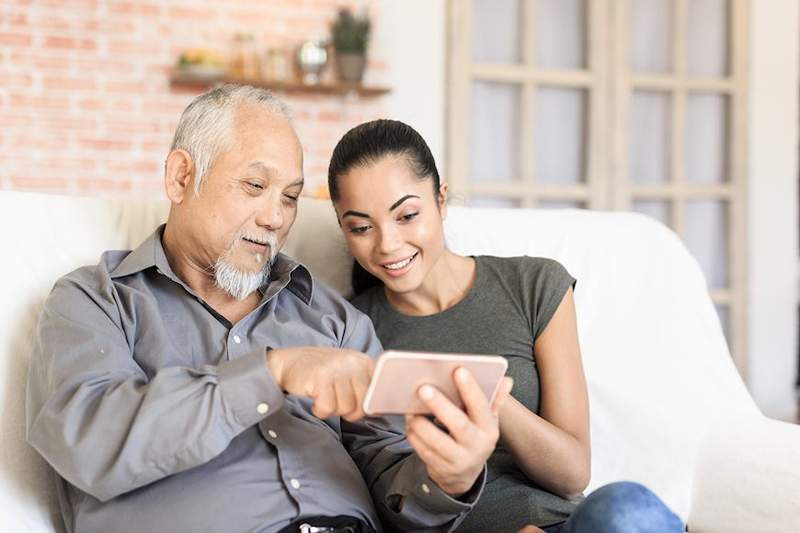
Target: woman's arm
<point>552,448</point>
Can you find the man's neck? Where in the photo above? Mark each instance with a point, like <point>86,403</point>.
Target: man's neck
<point>200,278</point>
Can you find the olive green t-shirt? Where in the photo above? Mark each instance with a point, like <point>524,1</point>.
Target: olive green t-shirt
<point>509,305</point>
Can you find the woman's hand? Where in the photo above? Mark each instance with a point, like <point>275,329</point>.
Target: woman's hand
<point>455,460</point>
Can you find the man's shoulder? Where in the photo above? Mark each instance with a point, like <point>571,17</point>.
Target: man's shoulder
<point>90,280</point>
<point>325,298</point>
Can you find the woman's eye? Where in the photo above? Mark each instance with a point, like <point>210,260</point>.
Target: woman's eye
<point>359,229</point>
<point>408,217</point>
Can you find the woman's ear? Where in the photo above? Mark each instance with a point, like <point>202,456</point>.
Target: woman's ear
<point>443,200</point>
<point>178,175</point>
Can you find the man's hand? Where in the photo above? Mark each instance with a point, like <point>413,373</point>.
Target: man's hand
<point>455,460</point>
<point>336,379</point>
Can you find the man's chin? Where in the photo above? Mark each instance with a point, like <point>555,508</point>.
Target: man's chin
<point>250,262</point>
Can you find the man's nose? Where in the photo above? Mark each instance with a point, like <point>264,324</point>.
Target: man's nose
<point>271,215</point>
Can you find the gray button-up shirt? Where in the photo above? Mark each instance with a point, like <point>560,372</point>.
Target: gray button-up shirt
<point>160,415</point>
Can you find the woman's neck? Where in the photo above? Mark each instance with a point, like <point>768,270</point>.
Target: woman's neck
<point>446,284</point>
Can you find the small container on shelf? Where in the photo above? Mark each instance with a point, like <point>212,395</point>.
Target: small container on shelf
<point>276,65</point>
<point>243,60</point>
<point>312,56</point>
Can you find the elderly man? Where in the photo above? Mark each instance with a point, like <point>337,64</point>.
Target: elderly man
<point>205,382</point>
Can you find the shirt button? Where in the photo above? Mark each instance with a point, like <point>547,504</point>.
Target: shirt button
<point>295,483</point>
<point>272,434</point>
<point>237,339</point>
<point>262,408</point>
<point>425,488</point>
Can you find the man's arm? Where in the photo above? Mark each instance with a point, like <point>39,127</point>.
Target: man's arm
<point>107,427</point>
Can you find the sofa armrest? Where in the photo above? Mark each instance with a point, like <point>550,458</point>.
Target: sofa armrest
<point>747,477</point>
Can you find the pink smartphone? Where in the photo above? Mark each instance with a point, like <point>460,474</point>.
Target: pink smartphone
<point>398,376</point>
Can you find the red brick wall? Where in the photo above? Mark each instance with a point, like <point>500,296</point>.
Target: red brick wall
<point>85,103</point>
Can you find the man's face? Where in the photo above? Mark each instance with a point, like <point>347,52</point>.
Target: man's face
<point>248,199</point>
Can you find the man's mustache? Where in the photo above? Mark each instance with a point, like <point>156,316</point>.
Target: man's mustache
<point>268,238</point>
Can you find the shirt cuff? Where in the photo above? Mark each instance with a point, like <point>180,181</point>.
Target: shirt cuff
<point>442,501</point>
<point>425,499</point>
<point>248,389</point>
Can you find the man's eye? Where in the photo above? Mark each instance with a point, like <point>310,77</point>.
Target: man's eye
<point>256,185</point>
<point>291,197</point>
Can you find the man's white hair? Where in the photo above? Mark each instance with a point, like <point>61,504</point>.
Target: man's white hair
<point>206,125</point>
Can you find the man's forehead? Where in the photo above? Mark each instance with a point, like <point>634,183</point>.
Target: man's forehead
<point>270,172</point>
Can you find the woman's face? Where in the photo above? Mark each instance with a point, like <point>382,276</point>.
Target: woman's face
<point>392,222</point>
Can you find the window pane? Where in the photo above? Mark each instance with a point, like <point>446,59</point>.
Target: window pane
<point>489,201</point>
<point>495,131</point>
<point>707,239</point>
<point>650,137</point>
<point>561,33</point>
<point>707,37</point>
<point>724,314</point>
<point>496,31</point>
<point>561,134</point>
<point>706,138</point>
<point>658,209</point>
<point>560,204</point>
<point>651,35</point>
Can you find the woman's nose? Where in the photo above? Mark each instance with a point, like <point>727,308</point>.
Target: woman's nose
<point>390,240</point>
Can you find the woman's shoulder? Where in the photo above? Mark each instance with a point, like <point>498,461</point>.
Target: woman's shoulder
<point>524,268</point>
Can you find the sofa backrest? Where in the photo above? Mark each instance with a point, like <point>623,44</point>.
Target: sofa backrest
<point>656,361</point>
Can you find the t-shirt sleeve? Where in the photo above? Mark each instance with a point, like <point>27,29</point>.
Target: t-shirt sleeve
<point>545,282</point>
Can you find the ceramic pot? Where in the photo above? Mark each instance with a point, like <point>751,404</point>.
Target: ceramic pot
<point>350,66</point>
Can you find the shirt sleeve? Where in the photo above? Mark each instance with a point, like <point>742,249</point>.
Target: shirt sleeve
<point>104,424</point>
<point>547,282</point>
<point>405,497</point>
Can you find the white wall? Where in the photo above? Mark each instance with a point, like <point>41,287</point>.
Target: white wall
<point>773,186</point>
<point>413,42</point>
<point>416,53</point>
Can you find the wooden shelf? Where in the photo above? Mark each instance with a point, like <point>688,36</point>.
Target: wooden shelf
<point>179,80</point>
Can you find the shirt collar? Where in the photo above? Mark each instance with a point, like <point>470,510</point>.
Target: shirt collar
<point>151,254</point>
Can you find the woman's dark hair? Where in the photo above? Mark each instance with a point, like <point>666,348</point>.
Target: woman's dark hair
<point>368,143</point>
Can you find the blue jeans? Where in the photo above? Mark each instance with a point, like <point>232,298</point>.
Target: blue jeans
<point>621,507</point>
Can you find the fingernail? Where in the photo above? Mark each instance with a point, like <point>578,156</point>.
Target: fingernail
<point>426,392</point>
<point>461,373</point>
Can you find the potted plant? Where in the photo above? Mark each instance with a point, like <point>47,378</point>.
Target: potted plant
<point>350,35</point>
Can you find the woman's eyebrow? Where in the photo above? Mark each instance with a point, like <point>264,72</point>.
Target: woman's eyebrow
<point>352,213</point>
<point>401,200</point>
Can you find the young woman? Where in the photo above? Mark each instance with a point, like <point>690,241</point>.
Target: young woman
<point>421,296</point>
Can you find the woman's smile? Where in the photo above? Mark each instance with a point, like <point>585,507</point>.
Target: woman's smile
<point>399,268</point>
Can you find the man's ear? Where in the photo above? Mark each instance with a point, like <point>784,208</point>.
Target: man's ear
<point>178,175</point>
<point>443,200</point>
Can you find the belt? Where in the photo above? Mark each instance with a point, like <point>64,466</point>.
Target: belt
<point>327,524</point>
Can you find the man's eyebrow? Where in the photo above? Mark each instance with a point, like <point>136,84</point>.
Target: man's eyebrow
<point>352,213</point>
<point>401,200</point>
<point>262,168</point>
<point>269,172</point>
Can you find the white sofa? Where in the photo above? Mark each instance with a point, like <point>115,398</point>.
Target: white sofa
<point>668,408</point>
